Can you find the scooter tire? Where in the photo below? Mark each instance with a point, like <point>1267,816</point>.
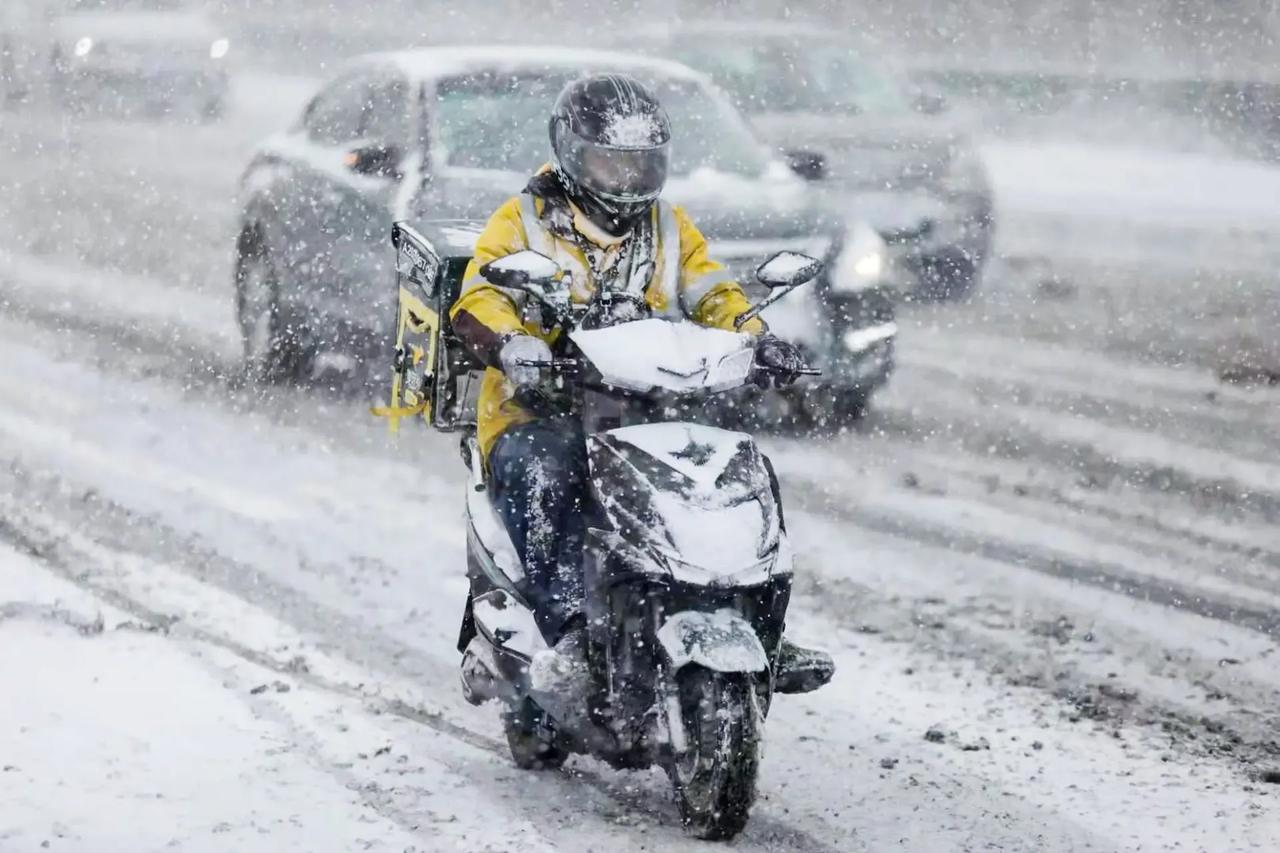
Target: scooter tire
<point>530,750</point>
<point>715,779</point>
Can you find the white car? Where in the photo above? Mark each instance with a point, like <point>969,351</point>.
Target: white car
<point>450,133</point>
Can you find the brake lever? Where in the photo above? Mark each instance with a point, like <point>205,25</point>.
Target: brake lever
<point>558,365</point>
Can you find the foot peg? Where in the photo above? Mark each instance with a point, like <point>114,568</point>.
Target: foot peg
<point>479,673</point>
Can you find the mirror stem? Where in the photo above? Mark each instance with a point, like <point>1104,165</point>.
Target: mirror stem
<point>754,310</point>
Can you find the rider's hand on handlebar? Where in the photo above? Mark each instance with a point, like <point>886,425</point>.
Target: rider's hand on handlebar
<point>780,359</point>
<point>516,352</point>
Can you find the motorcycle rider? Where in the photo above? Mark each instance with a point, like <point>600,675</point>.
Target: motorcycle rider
<point>595,210</point>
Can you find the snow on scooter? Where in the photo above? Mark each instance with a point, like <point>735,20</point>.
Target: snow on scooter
<point>686,562</point>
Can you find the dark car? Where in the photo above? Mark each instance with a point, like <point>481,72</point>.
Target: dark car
<point>448,134</point>
<point>871,139</point>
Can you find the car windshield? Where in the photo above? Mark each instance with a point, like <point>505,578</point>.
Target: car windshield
<point>799,77</point>
<point>131,5</point>
<point>498,120</point>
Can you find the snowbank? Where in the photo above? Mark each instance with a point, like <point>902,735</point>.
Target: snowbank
<point>115,737</point>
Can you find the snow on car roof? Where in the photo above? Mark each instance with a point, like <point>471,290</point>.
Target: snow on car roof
<point>430,63</point>
<point>757,30</point>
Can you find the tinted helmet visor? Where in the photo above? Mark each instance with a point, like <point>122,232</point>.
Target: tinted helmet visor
<point>621,175</point>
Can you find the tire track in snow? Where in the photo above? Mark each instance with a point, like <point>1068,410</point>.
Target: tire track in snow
<point>814,496</point>
<point>110,522</point>
<point>1055,500</point>
<point>1197,427</point>
<point>1076,453</point>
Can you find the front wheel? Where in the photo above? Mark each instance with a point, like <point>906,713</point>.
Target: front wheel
<point>949,276</point>
<point>274,351</point>
<point>715,777</point>
<point>533,746</point>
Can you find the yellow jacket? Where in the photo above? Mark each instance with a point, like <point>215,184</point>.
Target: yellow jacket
<point>706,293</point>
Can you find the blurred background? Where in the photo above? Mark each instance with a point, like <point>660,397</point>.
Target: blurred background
<point>1132,149</point>
<point>1053,239</point>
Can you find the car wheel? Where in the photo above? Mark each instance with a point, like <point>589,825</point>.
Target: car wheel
<point>530,748</point>
<point>951,276</point>
<point>849,405</point>
<point>11,89</point>
<point>213,109</point>
<point>274,349</point>
<point>836,408</point>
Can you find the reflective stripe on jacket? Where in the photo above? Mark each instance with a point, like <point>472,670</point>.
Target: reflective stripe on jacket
<point>685,282</point>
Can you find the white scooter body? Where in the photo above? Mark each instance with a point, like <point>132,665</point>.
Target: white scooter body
<point>707,536</point>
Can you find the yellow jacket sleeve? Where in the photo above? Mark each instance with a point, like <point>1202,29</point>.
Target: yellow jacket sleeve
<point>485,303</point>
<point>708,292</point>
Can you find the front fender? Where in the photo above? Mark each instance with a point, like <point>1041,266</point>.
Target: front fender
<point>722,642</point>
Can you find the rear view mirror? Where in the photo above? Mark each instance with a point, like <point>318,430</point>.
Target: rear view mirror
<point>788,269</point>
<point>930,103</point>
<point>810,165</point>
<point>535,274</point>
<point>520,269</point>
<point>782,273</point>
<point>375,161</point>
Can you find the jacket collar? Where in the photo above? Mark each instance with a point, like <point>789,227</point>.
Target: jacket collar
<point>563,217</point>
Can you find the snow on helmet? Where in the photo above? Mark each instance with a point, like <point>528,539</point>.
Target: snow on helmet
<point>610,142</point>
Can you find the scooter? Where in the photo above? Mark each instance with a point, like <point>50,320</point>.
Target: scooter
<point>686,561</point>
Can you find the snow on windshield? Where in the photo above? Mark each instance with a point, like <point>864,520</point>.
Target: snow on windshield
<point>707,132</point>
<point>782,76</point>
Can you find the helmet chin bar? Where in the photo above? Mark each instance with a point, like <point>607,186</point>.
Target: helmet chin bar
<point>617,218</point>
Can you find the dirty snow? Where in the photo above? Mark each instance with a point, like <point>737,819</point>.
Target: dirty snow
<point>1046,563</point>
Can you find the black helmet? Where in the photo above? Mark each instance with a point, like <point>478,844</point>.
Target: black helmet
<point>610,139</point>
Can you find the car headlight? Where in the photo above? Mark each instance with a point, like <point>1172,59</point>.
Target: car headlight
<point>83,46</point>
<point>869,266</point>
<point>861,261</point>
<point>219,48</point>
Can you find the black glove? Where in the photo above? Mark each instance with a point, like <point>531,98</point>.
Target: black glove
<point>778,358</point>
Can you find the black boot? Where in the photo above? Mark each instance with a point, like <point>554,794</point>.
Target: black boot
<point>801,670</point>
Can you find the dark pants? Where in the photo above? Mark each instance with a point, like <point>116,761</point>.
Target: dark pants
<point>538,478</point>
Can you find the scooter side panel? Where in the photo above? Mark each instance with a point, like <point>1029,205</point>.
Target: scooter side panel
<point>490,531</point>
<point>507,623</point>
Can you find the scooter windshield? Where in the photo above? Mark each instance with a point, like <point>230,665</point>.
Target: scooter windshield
<point>662,355</point>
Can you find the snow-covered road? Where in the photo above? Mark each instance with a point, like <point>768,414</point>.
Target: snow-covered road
<point>228,621</point>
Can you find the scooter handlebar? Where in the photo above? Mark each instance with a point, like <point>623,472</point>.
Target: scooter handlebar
<point>799,371</point>
<point>554,364</point>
